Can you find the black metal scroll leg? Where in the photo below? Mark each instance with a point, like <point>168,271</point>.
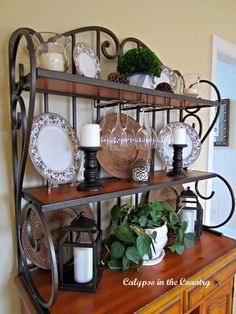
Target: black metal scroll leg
<point>53,262</point>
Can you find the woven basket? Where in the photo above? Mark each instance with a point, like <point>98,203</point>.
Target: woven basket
<point>57,221</point>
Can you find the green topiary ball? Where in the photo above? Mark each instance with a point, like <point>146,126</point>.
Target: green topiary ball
<point>139,60</point>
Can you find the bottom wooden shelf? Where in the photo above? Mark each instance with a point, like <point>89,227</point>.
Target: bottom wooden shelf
<point>154,287</point>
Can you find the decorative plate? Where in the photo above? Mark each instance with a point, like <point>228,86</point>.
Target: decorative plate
<point>190,153</point>
<point>57,220</point>
<point>86,61</point>
<point>117,163</point>
<point>53,148</point>
<point>168,76</point>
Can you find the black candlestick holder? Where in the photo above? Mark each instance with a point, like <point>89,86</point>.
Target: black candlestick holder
<point>90,170</point>
<point>177,170</point>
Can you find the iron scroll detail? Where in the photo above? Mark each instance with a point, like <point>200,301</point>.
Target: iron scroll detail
<point>232,210</point>
<point>192,113</point>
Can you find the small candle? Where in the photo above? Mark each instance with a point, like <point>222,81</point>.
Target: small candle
<point>90,135</point>
<point>52,61</point>
<point>83,264</point>
<point>192,92</point>
<point>189,216</point>
<point>179,135</point>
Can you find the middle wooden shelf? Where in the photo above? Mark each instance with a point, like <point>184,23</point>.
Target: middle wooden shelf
<point>67,195</point>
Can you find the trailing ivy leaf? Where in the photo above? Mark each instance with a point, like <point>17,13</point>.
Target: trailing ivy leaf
<point>117,250</point>
<point>140,264</point>
<point>154,235</point>
<point>125,263</point>
<point>177,248</point>
<point>150,224</point>
<point>115,264</point>
<point>143,221</point>
<point>135,219</point>
<point>115,213</point>
<point>132,254</point>
<point>184,225</point>
<point>136,229</point>
<point>123,233</point>
<point>173,218</point>
<point>108,241</point>
<point>189,239</point>
<point>143,244</point>
<point>156,205</point>
<point>167,206</point>
<point>181,235</point>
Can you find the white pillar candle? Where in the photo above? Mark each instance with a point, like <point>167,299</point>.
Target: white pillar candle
<point>52,61</point>
<point>83,264</point>
<point>189,216</point>
<point>179,135</point>
<point>90,135</point>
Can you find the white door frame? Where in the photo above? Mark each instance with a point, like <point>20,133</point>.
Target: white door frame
<point>224,51</point>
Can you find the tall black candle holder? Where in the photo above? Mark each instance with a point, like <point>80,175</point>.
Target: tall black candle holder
<point>177,165</point>
<point>90,170</point>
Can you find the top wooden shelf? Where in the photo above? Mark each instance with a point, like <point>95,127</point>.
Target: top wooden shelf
<point>66,195</point>
<point>60,83</point>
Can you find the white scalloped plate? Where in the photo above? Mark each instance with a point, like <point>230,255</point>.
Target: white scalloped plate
<point>86,61</point>
<point>53,148</point>
<point>190,153</point>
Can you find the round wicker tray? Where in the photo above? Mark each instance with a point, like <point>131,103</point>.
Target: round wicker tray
<point>116,163</point>
<point>57,221</point>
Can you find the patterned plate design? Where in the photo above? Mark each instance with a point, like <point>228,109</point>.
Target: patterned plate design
<point>86,61</point>
<point>117,163</point>
<point>190,153</point>
<point>53,148</point>
<point>58,221</point>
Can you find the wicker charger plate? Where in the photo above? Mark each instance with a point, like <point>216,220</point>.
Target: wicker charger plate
<point>57,221</point>
<point>168,194</point>
<point>116,163</point>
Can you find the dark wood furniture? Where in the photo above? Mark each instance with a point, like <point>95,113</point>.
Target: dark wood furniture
<point>212,259</point>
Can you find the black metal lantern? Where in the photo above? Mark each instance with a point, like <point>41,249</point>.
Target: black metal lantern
<point>80,267</point>
<point>191,211</point>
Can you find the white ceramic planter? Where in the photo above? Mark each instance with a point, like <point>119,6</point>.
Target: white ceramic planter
<point>142,80</point>
<point>159,244</point>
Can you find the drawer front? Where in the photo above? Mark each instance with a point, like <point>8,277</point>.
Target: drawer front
<point>169,303</point>
<point>173,307</point>
<point>220,302</point>
<point>196,293</point>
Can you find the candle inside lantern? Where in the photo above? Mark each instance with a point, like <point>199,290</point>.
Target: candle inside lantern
<point>189,216</point>
<point>52,61</point>
<point>83,264</point>
<point>179,135</point>
<point>90,135</point>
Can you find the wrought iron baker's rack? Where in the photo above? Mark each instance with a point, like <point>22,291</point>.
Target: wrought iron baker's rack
<point>71,85</point>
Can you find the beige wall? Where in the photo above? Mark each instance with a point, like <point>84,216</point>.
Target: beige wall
<point>179,31</point>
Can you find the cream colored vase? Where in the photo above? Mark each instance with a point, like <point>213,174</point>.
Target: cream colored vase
<point>159,244</point>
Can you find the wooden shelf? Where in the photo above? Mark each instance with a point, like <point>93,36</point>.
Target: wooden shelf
<point>75,85</point>
<point>113,296</point>
<point>67,195</point>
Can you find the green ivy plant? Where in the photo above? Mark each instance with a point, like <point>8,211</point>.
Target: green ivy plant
<point>139,60</point>
<point>128,241</point>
